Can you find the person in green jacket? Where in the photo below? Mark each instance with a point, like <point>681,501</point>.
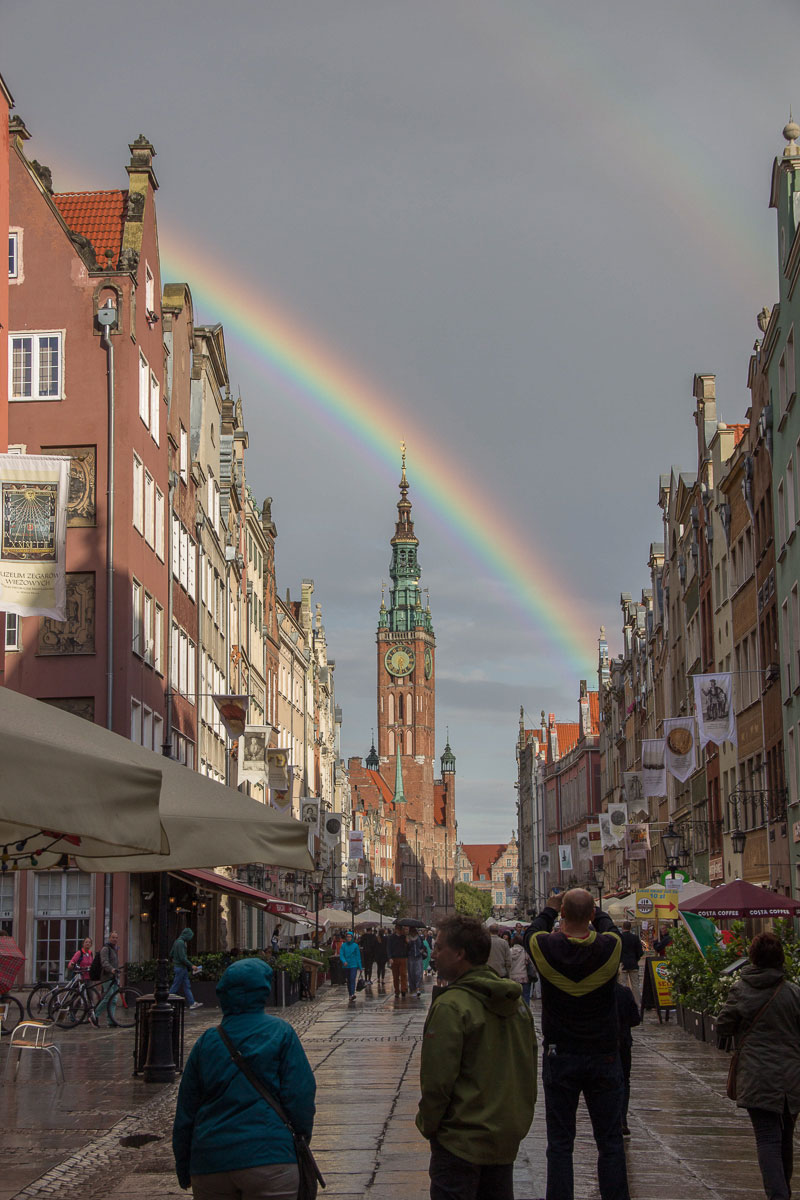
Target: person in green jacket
<point>183,965</point>
<point>478,1070</point>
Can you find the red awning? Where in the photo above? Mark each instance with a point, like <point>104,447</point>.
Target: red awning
<point>242,891</point>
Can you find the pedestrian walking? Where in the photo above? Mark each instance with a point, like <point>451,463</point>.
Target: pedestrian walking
<point>275,940</point>
<point>367,943</point>
<point>522,969</point>
<point>632,951</point>
<point>416,957</point>
<point>397,950</point>
<point>350,958</point>
<point>81,960</point>
<point>109,975</point>
<point>427,943</point>
<point>762,1014</point>
<point>628,1016</point>
<point>182,965</point>
<point>500,953</point>
<point>478,1070</point>
<point>381,956</point>
<point>228,1141</point>
<point>578,967</point>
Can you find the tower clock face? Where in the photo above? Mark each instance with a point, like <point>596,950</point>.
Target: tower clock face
<point>428,664</point>
<point>399,660</point>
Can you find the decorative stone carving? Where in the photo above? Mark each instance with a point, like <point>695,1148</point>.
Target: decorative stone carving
<point>45,175</point>
<point>135,208</point>
<point>85,249</point>
<point>82,497</point>
<point>76,634</point>
<point>79,706</point>
<point>128,260</point>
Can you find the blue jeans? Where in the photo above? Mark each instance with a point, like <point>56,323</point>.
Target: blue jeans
<point>453,1178</point>
<point>181,984</point>
<point>599,1077</point>
<point>109,985</point>
<point>351,975</point>
<point>526,992</point>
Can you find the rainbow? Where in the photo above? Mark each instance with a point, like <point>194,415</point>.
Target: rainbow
<point>357,411</point>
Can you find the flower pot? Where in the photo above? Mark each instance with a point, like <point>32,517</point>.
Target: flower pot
<point>694,1023</point>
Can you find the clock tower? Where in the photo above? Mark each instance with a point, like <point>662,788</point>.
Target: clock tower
<point>406,653</point>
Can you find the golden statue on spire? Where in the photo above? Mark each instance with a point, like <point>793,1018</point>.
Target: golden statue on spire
<point>403,451</point>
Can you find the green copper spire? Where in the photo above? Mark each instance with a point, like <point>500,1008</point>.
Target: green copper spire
<point>405,612</point>
<point>399,795</point>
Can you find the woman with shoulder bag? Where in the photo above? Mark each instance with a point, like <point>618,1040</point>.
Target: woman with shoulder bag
<point>229,1142</point>
<point>762,1014</point>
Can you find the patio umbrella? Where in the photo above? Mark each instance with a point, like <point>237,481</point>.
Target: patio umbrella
<point>61,775</point>
<point>370,917</point>
<point>334,916</point>
<point>11,960</point>
<point>741,899</point>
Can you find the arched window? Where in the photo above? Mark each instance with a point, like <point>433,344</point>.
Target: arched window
<point>391,708</point>
<point>410,709</point>
<point>400,708</point>
<point>408,742</point>
<point>391,741</point>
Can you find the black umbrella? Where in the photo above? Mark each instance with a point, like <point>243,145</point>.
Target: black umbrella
<point>411,922</point>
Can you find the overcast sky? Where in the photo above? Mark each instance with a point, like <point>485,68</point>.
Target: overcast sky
<point>525,224</point>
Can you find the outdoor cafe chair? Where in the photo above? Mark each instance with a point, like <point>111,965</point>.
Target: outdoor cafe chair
<point>35,1036</point>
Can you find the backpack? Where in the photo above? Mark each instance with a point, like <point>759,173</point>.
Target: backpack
<point>96,969</point>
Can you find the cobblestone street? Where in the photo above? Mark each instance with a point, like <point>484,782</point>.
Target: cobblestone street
<point>688,1141</point>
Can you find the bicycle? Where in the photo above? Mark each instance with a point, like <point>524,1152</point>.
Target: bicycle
<point>12,1011</point>
<point>70,1006</point>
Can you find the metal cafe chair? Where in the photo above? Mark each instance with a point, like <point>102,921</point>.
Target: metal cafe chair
<point>35,1036</point>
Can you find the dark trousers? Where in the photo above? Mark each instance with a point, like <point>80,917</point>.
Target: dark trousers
<point>625,1061</point>
<point>380,970</point>
<point>599,1078</point>
<point>454,1178</point>
<point>367,959</point>
<point>774,1133</point>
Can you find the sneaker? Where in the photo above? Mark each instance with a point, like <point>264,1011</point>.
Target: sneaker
<point>197,1004</point>
<point>352,999</point>
<point>94,1021</point>
<point>418,994</point>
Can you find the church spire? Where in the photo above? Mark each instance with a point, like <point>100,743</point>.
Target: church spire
<point>399,795</point>
<point>405,612</point>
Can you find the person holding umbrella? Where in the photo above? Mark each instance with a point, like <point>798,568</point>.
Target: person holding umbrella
<point>397,950</point>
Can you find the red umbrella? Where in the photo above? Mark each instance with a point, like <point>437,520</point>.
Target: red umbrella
<point>11,960</point>
<point>741,899</point>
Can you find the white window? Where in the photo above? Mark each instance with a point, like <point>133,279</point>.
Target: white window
<point>138,494</point>
<point>192,572</point>
<point>149,509</point>
<point>158,639</point>
<point>184,452</point>
<point>144,389</point>
<point>13,632</point>
<point>159,523</point>
<point>35,367</point>
<point>13,256</point>
<point>183,542</point>
<point>158,733</point>
<point>176,546</point>
<point>137,644</point>
<point>191,671</point>
<point>148,629</point>
<point>782,393</point>
<point>183,663</point>
<point>175,655</point>
<point>149,290</point>
<point>155,411</point>
<point>147,727</point>
<point>787,646</point>
<point>136,721</point>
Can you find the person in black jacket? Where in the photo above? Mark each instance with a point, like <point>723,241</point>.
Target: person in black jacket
<point>397,950</point>
<point>578,968</point>
<point>368,942</point>
<point>627,1016</point>
<point>632,951</point>
<point>381,955</point>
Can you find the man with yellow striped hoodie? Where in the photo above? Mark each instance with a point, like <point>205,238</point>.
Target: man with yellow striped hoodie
<point>578,967</point>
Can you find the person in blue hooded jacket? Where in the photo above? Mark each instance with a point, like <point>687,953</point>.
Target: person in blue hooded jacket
<point>350,958</point>
<point>227,1140</point>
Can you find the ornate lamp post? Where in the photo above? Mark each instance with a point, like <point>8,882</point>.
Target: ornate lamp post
<point>316,887</point>
<point>352,896</point>
<point>600,878</point>
<point>673,846</point>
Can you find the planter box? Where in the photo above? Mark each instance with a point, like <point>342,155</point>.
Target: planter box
<point>694,1023</point>
<point>680,1015</point>
<point>204,990</point>
<point>284,992</point>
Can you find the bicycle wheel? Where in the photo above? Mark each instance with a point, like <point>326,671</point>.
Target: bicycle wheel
<point>125,1010</point>
<point>38,1001</point>
<point>67,1009</point>
<point>14,1012</point>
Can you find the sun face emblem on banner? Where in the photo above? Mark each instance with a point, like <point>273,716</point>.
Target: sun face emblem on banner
<point>29,522</point>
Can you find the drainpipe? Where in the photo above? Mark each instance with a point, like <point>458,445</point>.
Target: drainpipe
<point>107,316</point>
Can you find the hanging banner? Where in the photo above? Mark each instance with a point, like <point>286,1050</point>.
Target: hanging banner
<point>278,780</point>
<point>608,837</point>
<point>637,841</point>
<point>309,812</point>
<point>634,789</point>
<point>680,757</point>
<point>233,714</point>
<point>595,840</point>
<point>713,702</point>
<point>33,535</point>
<point>544,862</point>
<point>612,828</point>
<point>654,771</point>
<point>355,844</point>
<point>584,849</point>
<point>332,830</point>
<point>252,761</point>
<point>565,858</point>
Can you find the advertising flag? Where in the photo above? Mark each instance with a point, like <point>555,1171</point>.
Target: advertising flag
<point>680,757</point>
<point>654,771</point>
<point>713,702</point>
<point>703,932</point>
<point>33,535</point>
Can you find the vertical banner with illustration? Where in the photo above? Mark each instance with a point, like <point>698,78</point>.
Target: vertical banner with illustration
<point>680,758</point>
<point>713,702</point>
<point>309,815</point>
<point>355,844</point>
<point>565,858</point>
<point>595,838</point>
<point>637,841</point>
<point>612,826</point>
<point>252,761</point>
<point>634,790</point>
<point>33,535</point>
<point>654,771</point>
<point>278,779</point>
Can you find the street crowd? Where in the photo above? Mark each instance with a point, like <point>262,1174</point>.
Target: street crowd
<point>245,1110</point>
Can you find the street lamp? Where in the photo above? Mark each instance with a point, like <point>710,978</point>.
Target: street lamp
<point>673,845</point>
<point>352,895</point>
<point>316,887</point>
<point>738,839</point>
<point>600,878</point>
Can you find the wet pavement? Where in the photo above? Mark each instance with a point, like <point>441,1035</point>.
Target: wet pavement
<point>688,1140</point>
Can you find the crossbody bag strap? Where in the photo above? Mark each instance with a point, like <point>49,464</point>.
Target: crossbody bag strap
<point>758,1014</point>
<point>249,1073</point>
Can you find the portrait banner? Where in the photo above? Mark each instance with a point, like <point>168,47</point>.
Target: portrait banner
<point>634,789</point>
<point>278,775</point>
<point>654,771</point>
<point>252,761</point>
<point>309,812</point>
<point>713,702</point>
<point>680,756</point>
<point>33,535</point>
<point>565,858</point>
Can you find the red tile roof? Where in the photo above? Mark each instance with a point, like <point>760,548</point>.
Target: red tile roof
<point>381,785</point>
<point>567,736</point>
<point>738,432</point>
<point>98,216</point>
<point>483,857</point>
